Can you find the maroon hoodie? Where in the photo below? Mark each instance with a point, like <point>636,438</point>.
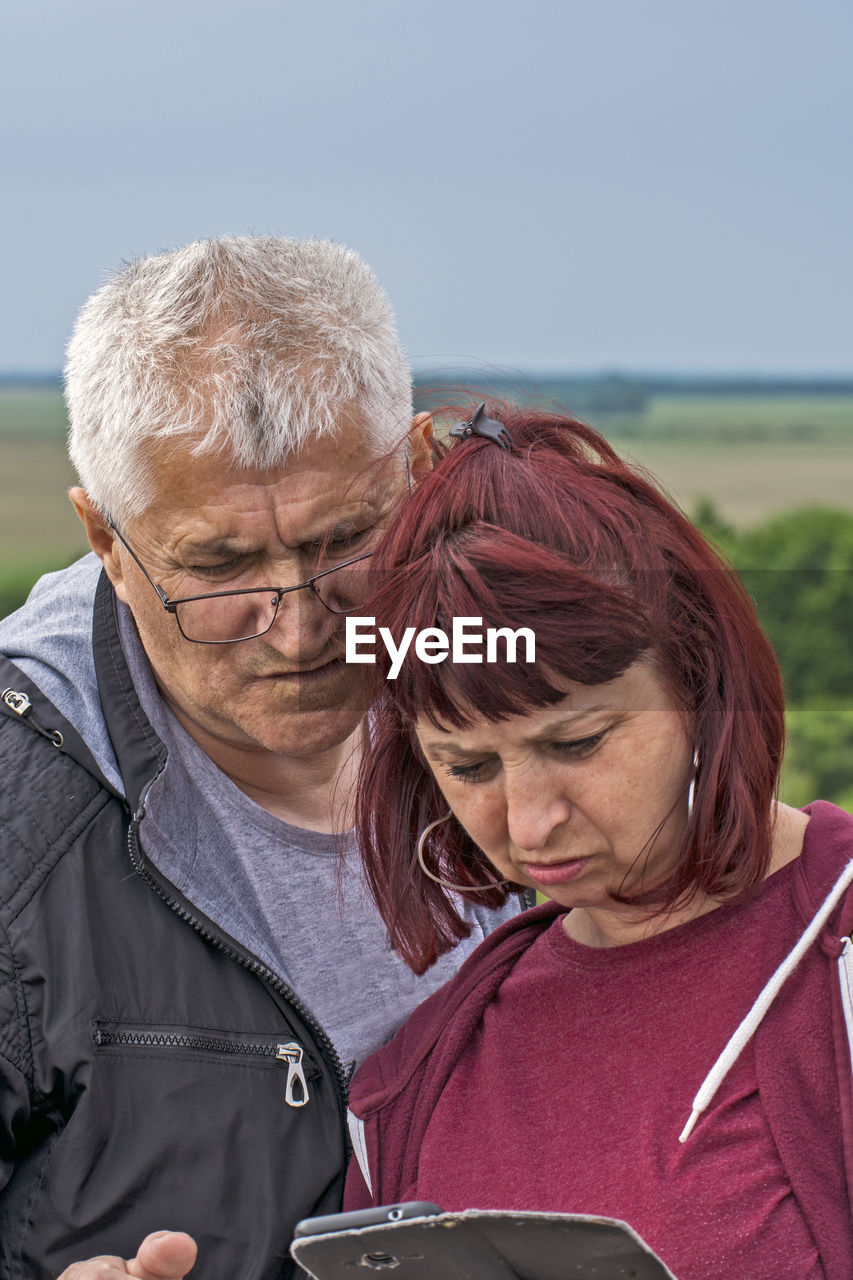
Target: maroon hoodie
<point>794,1040</point>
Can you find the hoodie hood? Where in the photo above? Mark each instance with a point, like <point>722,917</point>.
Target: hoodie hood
<point>50,639</point>
<point>400,1085</point>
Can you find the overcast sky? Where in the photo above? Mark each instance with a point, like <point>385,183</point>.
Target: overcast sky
<point>543,184</point>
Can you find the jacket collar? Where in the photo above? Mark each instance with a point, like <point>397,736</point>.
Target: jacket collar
<point>140,754</point>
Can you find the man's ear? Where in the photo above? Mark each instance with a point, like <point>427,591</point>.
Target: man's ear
<point>420,453</point>
<point>102,540</point>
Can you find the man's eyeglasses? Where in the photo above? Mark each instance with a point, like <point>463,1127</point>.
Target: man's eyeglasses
<point>226,617</point>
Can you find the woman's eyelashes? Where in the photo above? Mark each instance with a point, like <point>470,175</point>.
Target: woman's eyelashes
<point>578,747</point>
<point>478,770</point>
<point>467,772</point>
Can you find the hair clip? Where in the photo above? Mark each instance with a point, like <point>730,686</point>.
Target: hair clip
<point>480,425</point>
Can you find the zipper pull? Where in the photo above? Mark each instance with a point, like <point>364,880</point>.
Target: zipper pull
<point>17,702</point>
<point>296,1090</point>
<point>21,705</point>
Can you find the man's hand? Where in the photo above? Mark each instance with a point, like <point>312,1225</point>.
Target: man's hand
<point>165,1255</point>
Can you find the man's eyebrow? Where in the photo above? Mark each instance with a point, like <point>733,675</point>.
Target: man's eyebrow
<point>217,545</point>
<point>344,524</point>
<point>364,516</point>
<point>553,729</point>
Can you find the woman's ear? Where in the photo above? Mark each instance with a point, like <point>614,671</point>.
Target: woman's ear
<point>420,452</point>
<point>102,540</point>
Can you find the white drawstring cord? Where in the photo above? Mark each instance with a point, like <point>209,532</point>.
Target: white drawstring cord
<point>733,1049</point>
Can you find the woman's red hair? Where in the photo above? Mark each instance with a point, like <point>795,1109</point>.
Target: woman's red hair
<point>560,535</point>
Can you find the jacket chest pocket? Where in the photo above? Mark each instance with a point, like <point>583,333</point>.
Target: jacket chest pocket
<point>209,1044</point>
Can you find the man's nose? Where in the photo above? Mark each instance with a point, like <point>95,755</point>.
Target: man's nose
<point>536,806</point>
<point>302,626</point>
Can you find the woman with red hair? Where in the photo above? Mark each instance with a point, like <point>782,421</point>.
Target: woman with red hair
<point>663,1041</point>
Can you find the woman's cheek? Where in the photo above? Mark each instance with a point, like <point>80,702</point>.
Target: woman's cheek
<point>484,818</point>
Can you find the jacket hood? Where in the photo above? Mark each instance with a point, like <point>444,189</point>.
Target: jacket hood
<point>50,639</point>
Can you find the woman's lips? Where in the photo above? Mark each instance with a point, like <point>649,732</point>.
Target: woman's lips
<point>555,872</point>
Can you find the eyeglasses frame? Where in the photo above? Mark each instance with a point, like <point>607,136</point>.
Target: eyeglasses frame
<point>171,605</point>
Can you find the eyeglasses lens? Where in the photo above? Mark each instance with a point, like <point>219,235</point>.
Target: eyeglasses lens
<point>224,618</point>
<point>227,618</point>
<point>346,589</point>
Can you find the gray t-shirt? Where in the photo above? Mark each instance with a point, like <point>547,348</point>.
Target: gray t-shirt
<point>295,898</point>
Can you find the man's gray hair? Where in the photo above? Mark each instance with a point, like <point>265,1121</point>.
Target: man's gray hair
<point>245,345</point>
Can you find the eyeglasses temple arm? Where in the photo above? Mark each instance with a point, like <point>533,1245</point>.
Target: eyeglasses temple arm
<point>164,599</point>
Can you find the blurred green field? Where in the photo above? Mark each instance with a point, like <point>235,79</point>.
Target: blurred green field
<point>38,526</point>
<point>750,455</point>
<point>739,418</point>
<point>748,481</point>
<point>28,413</point>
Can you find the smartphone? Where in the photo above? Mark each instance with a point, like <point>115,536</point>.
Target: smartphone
<point>365,1218</point>
<point>419,1242</point>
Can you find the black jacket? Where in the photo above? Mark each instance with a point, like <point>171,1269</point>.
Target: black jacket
<point>149,1071</point>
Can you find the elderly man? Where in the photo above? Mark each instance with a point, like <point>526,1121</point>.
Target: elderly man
<point>189,963</point>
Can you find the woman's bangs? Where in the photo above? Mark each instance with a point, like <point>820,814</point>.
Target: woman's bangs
<point>532,630</point>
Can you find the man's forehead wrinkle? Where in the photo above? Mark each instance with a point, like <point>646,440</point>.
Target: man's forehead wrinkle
<point>326,489</point>
<point>229,528</point>
<point>289,522</point>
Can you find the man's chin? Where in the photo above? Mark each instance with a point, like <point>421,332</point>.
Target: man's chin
<point>305,721</point>
<point>324,688</point>
<point>307,733</point>
<point>274,714</point>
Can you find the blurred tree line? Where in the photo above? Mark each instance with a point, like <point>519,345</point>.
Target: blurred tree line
<point>798,568</point>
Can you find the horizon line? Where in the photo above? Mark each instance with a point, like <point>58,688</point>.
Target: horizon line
<point>447,369</point>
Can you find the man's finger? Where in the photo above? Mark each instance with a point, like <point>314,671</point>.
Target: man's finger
<point>103,1267</point>
<point>165,1255</point>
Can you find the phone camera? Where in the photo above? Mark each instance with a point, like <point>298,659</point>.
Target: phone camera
<point>378,1261</point>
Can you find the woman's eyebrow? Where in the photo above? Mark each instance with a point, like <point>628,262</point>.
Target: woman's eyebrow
<point>444,746</point>
<point>567,722</point>
<point>449,748</point>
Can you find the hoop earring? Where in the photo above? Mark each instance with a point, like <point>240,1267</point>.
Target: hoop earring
<point>691,790</point>
<point>456,888</point>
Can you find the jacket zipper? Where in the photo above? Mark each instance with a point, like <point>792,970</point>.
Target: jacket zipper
<point>256,967</point>
<point>296,1088</point>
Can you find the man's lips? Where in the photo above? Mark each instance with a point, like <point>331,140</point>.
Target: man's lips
<point>555,872</point>
<point>307,674</point>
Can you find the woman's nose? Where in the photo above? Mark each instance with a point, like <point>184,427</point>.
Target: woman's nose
<point>536,806</point>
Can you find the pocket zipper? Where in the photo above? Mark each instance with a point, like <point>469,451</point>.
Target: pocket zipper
<point>295,1090</point>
